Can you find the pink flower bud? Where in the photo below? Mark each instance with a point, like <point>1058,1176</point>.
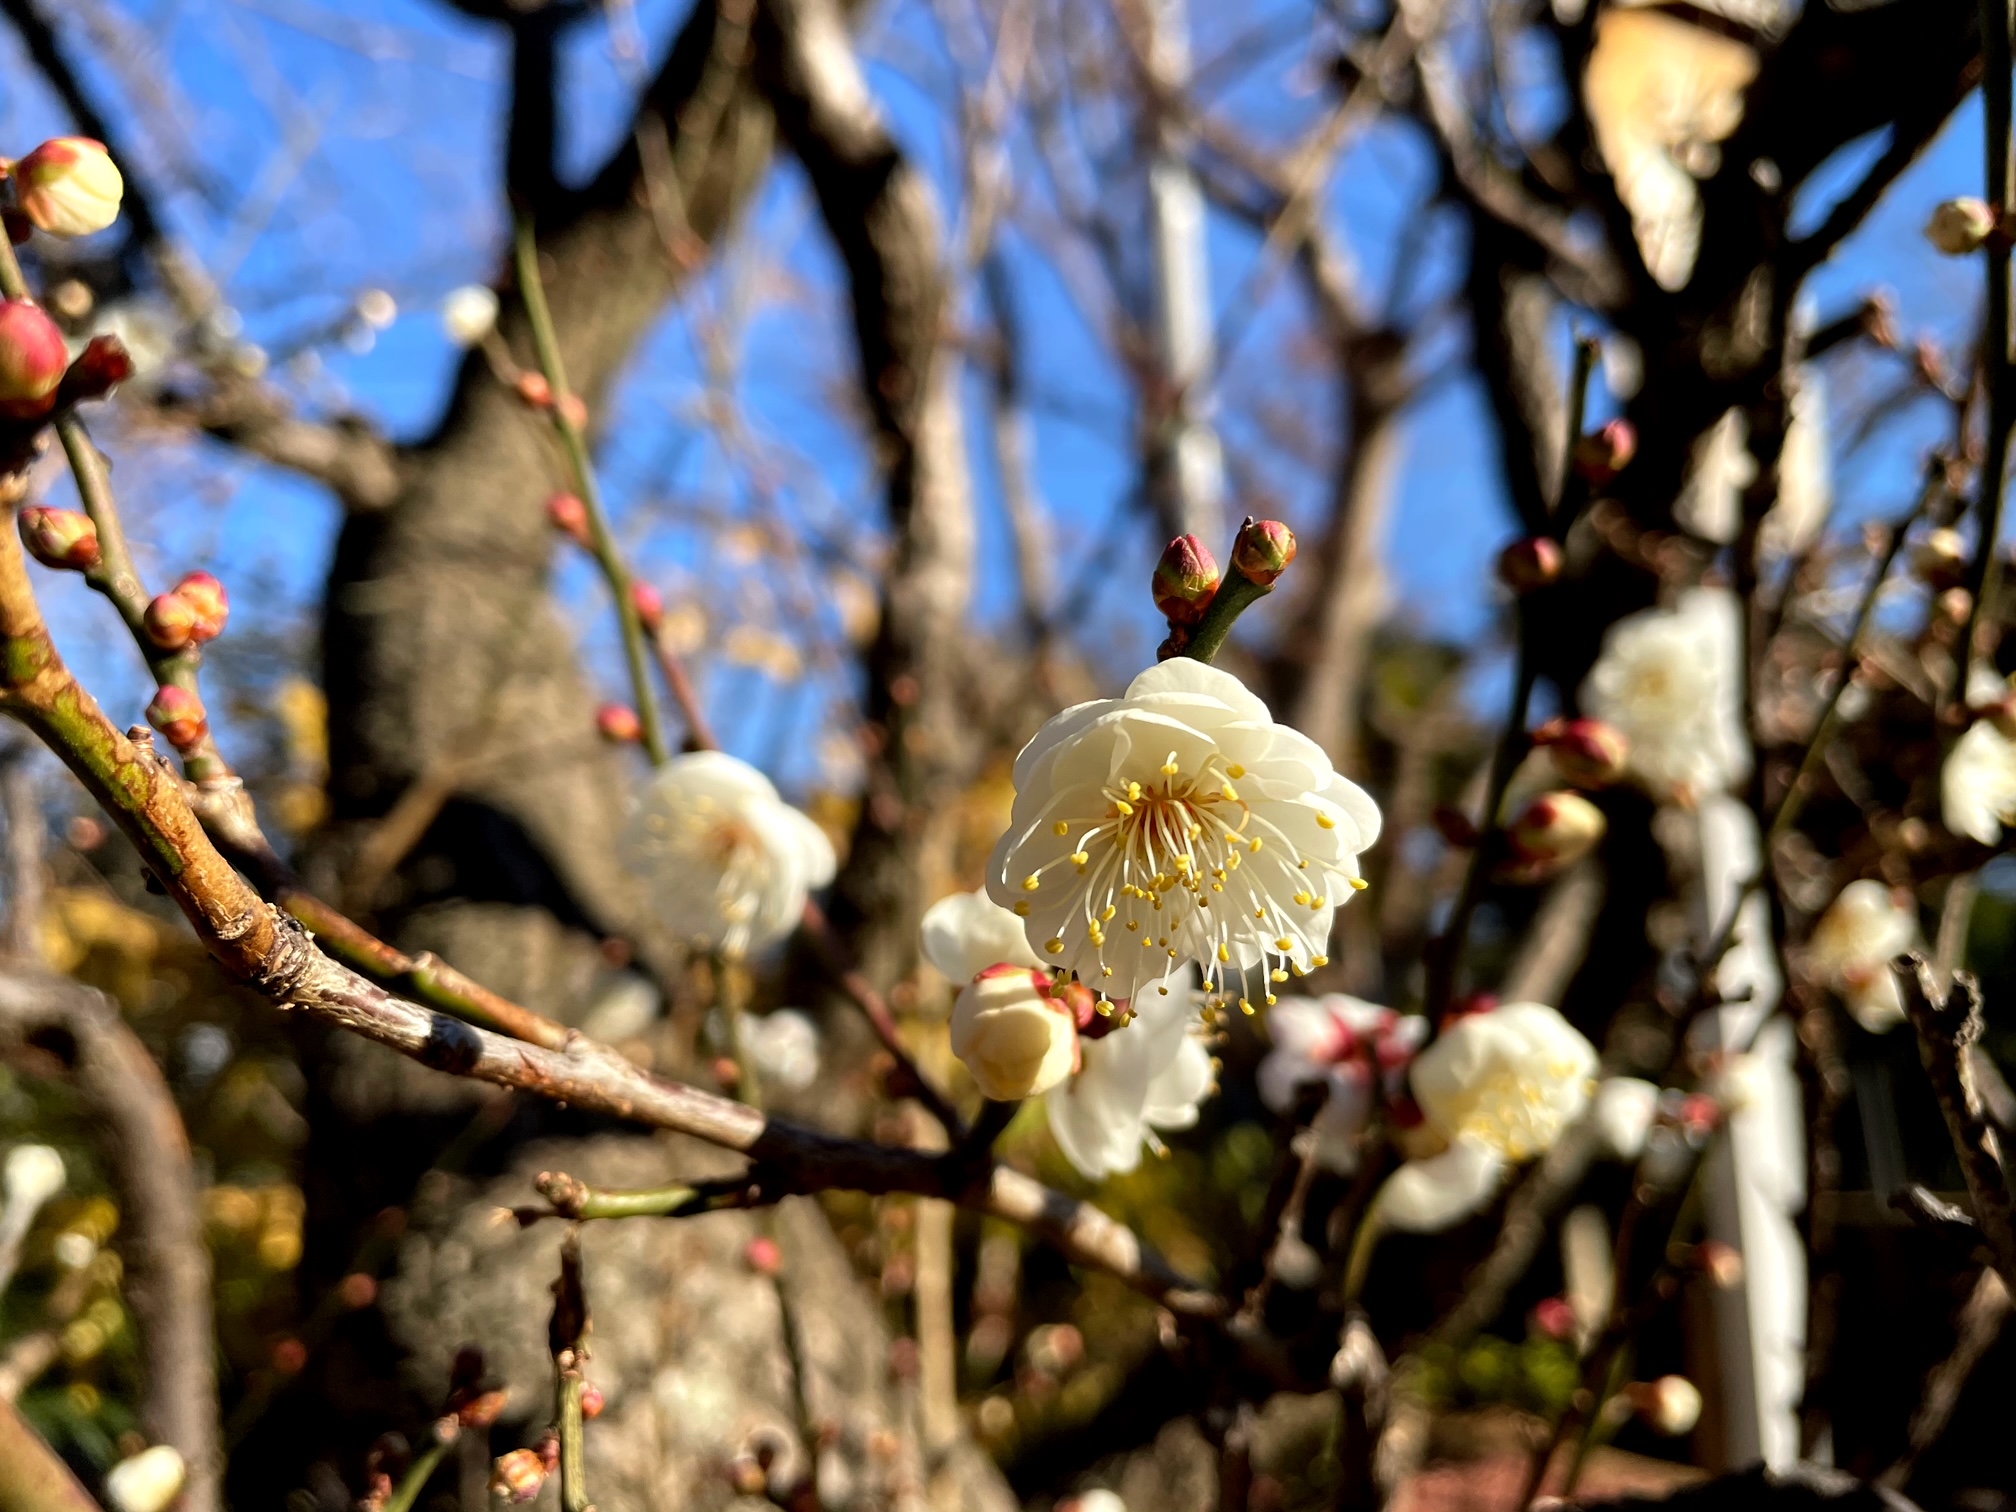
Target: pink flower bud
<point>619,724</point>
<point>650,605</point>
<point>69,186</point>
<point>1586,752</point>
<point>592,1401</point>
<point>518,1476</point>
<point>762,1255</point>
<point>569,516</point>
<point>1263,550</point>
<point>574,409</point>
<point>1554,1317</point>
<point>1529,564</point>
<point>484,1409</point>
<point>101,367</point>
<point>535,390</point>
<point>1186,580</point>
<point>211,604</point>
<point>178,715</point>
<point>1602,454</point>
<point>62,538</point>
<point>170,621</point>
<point>1961,226</point>
<point>1553,832</point>
<point>33,360</point>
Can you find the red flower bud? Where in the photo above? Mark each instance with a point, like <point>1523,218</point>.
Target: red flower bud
<point>1186,580</point>
<point>63,538</point>
<point>650,605</point>
<point>763,1256</point>
<point>33,360</point>
<point>178,715</point>
<point>569,516</point>
<point>101,367</point>
<point>1263,550</point>
<point>619,724</point>
<point>1602,454</point>
<point>518,1476</point>
<point>170,621</point>
<point>1529,564</point>
<point>1586,752</point>
<point>535,390</point>
<point>211,604</point>
<point>1554,1317</point>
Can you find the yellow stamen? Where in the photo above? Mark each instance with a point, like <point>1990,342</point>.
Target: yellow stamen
<point>1021,910</point>
<point>1324,821</point>
<point>1061,827</point>
<point>1224,954</point>
<point>1235,771</point>
<point>1126,808</point>
<point>1031,882</point>
<point>1359,884</point>
<point>1055,947</point>
<point>1278,974</point>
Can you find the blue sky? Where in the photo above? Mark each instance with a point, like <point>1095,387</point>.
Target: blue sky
<point>318,151</point>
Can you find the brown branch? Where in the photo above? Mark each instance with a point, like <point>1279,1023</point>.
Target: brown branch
<point>1980,1324</point>
<point>346,454</point>
<point>1947,1030</point>
<point>32,1478</point>
<point>167,1262</point>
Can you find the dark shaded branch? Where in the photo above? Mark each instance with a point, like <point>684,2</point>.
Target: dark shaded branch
<point>1980,1324</point>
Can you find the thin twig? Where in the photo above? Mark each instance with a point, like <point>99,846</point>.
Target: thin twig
<point>1980,1324</point>
<point>567,1338</point>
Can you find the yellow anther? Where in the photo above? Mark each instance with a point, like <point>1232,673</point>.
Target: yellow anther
<point>1215,887</point>
<point>1317,962</point>
<point>1164,990</point>
<point>1271,1000</point>
<point>1055,947</point>
<point>1172,956</point>
<point>1359,884</point>
<point>1302,865</point>
<point>1080,859</point>
<point>1104,1008</point>
<point>1232,862</point>
<point>1245,1007</point>
<point>1302,898</point>
<point>1061,827</point>
<point>1224,951</point>
<point>1170,767</point>
<point>1109,912</point>
<point>1229,793</point>
<point>1284,943</point>
<point>1126,808</point>
<point>1278,974</point>
<point>1253,845</point>
<point>1133,923</point>
<point>1105,971</point>
<point>1324,821</point>
<point>1183,863</point>
<point>1134,791</point>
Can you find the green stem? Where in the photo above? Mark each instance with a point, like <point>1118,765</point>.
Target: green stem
<point>1235,595</point>
<point>547,342</point>
<point>417,1476</point>
<point>1568,500</point>
<point>573,1452</point>
<point>728,997</point>
<point>1363,1243</point>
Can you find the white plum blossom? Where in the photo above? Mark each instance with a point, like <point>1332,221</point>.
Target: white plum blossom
<point>784,1044</point>
<point>965,933</point>
<point>729,864</point>
<point>1977,785</point>
<point>1342,1043</point>
<point>1626,1108</point>
<point>1665,679</point>
<point>1178,823</point>
<point>1146,1075</point>
<point>1496,1089</point>
<point>33,1174</point>
<point>1852,946</point>
<point>146,1482</point>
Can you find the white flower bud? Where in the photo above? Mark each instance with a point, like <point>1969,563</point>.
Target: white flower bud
<point>69,187</point>
<point>1014,1037</point>
<point>469,314</point>
<point>1960,226</point>
<point>34,1174</point>
<point>1625,1109</point>
<point>147,1482</point>
<point>1670,1405</point>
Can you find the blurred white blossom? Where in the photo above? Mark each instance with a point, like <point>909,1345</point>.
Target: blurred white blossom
<point>1178,823</point>
<point>34,1174</point>
<point>784,1044</point>
<point>1626,1109</point>
<point>1343,1043</point>
<point>146,1482</point>
<point>1016,1035</point>
<point>1665,680</point>
<point>1852,946</point>
<point>1496,1089</point>
<point>727,862</point>
<point>469,314</point>
<point>1977,785</point>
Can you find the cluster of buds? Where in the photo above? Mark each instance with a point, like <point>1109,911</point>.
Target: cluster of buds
<point>1530,564</point>
<point>1604,453</point>
<point>1552,833</point>
<point>191,613</point>
<point>1962,226</point>
<point>1586,753</point>
<point>519,1476</point>
<point>62,538</point>
<point>1187,579</point>
<point>69,186</point>
<point>180,717</point>
<point>538,393</point>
